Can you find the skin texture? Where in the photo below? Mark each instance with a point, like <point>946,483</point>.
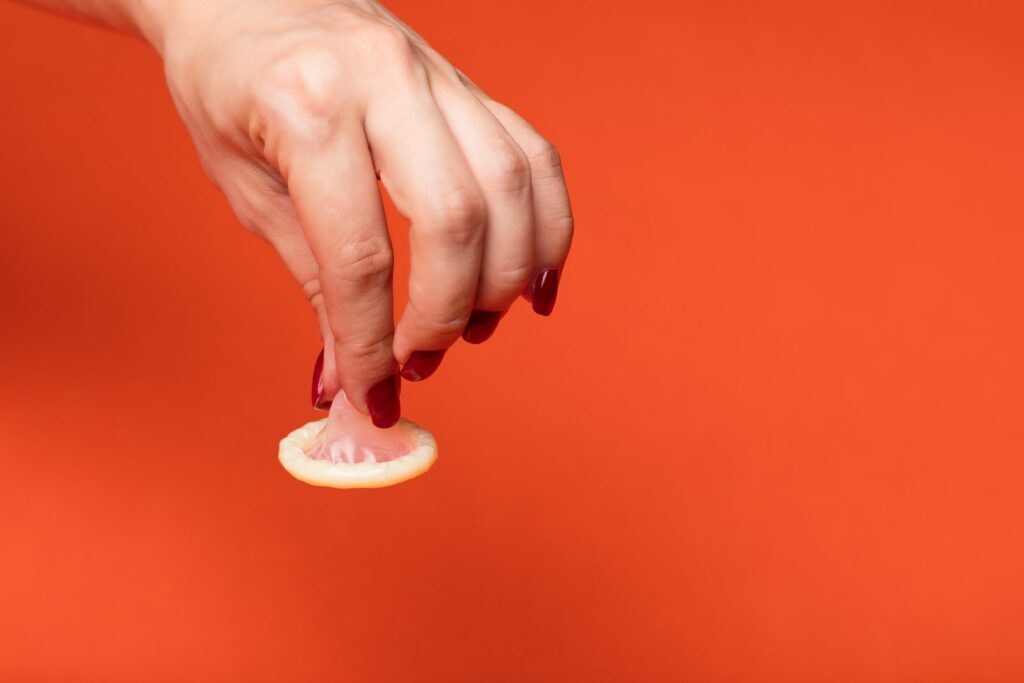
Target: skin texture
<point>299,107</point>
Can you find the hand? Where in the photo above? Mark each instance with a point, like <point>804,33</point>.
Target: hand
<point>297,107</point>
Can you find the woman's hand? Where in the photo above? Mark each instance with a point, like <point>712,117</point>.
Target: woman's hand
<point>297,107</point>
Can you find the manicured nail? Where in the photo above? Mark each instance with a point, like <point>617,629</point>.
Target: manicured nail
<point>382,402</point>
<point>318,384</point>
<point>545,291</point>
<point>421,365</point>
<point>481,326</point>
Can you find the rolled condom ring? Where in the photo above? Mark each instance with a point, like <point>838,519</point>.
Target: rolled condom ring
<point>345,450</point>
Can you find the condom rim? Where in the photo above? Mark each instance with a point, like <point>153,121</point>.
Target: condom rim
<point>360,475</point>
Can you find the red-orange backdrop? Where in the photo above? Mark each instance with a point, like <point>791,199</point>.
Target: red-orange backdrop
<point>773,431</point>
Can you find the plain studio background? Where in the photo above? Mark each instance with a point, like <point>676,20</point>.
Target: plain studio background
<point>773,431</point>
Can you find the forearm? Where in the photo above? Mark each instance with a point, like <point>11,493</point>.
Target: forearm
<point>139,17</point>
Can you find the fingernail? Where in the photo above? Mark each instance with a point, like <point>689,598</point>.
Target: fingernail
<point>382,402</point>
<point>421,365</point>
<point>481,326</point>
<point>318,383</point>
<point>545,291</point>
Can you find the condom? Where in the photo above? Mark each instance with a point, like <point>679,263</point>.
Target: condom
<point>346,450</point>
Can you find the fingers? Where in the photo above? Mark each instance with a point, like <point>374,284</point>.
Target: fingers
<point>426,174</point>
<point>553,218</point>
<point>287,238</point>
<point>263,205</point>
<point>502,171</point>
<point>490,220</point>
<point>334,189</point>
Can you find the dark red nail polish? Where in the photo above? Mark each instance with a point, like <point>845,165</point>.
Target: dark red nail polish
<point>545,291</point>
<point>421,365</point>
<point>382,402</point>
<point>481,326</point>
<point>318,383</point>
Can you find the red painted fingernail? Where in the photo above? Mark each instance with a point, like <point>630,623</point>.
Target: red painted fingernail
<point>545,291</point>
<point>421,365</point>
<point>318,383</point>
<point>382,402</point>
<point>481,326</point>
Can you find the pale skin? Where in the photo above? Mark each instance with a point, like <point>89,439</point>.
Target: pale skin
<point>298,107</point>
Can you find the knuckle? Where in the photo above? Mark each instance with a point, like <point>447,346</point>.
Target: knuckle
<point>394,61</point>
<point>388,45</point>
<point>458,216</point>
<point>370,350</point>
<point>303,82</point>
<point>318,305</point>
<point>502,284</point>
<point>385,36</point>
<point>440,324</point>
<point>561,226</point>
<point>508,167</point>
<point>362,261</point>
<point>512,277</point>
<point>545,159</point>
<point>315,296</point>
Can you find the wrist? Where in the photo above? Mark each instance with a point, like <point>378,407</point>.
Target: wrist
<point>151,18</point>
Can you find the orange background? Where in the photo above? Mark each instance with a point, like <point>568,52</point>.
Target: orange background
<point>773,431</point>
